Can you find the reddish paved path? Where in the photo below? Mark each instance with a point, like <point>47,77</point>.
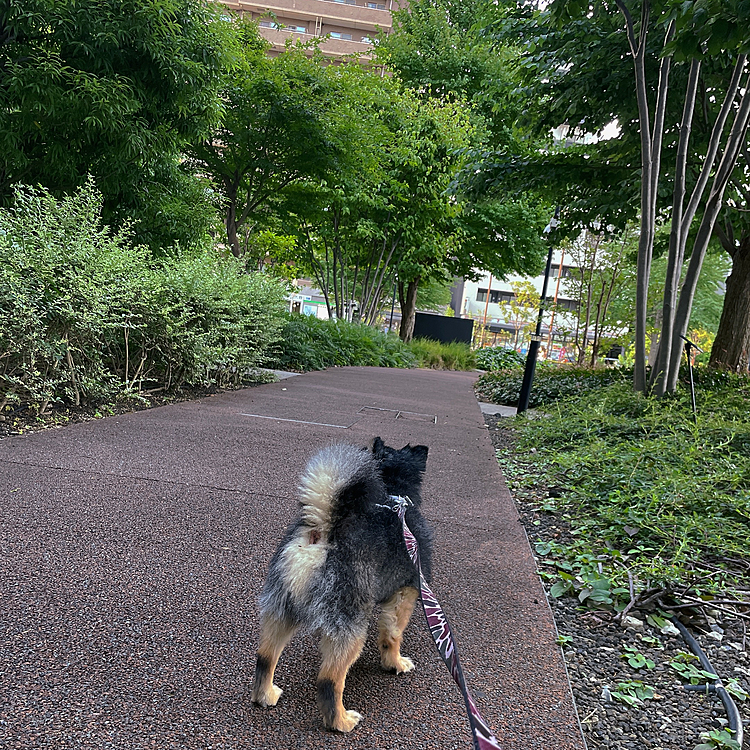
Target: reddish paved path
<point>132,550</point>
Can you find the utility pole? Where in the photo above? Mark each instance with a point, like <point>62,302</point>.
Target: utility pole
<point>536,339</point>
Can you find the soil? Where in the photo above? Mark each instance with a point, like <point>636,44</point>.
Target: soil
<point>596,650</point>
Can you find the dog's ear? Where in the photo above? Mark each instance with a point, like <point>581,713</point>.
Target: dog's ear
<point>419,454</point>
<point>378,449</point>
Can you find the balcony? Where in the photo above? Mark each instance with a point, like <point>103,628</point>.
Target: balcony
<point>329,47</point>
<point>350,16</point>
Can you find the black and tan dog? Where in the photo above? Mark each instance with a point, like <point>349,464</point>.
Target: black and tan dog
<point>343,555</point>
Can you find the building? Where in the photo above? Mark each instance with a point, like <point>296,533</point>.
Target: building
<point>488,301</point>
<point>345,27</point>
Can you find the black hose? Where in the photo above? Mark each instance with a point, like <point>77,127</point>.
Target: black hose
<point>733,714</point>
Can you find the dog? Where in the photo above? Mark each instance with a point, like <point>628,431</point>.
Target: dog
<point>344,554</point>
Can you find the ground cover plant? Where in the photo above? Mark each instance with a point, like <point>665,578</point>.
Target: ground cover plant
<point>499,358</point>
<point>551,382</point>
<point>652,506</point>
<point>86,316</point>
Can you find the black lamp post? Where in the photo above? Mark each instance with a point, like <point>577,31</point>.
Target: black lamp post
<point>536,339</point>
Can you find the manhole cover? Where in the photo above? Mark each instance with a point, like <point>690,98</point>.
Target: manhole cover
<point>398,414</point>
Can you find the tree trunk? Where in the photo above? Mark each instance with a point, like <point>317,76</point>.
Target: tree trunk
<point>407,300</point>
<point>232,234</point>
<point>731,348</point>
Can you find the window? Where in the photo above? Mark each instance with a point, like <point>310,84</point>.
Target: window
<point>568,271</point>
<point>496,296</point>
<point>299,29</point>
<point>340,35</point>
<point>269,25</point>
<point>376,6</point>
<point>347,2</point>
<point>564,305</point>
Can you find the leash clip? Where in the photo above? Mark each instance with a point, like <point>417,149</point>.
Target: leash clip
<point>400,504</point>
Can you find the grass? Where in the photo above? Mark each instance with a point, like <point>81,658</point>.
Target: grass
<point>655,504</point>
<point>439,356</point>
<point>312,344</point>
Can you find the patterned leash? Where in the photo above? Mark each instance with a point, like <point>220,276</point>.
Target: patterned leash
<point>441,633</point>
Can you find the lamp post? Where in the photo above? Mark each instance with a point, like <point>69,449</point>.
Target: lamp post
<point>528,374</point>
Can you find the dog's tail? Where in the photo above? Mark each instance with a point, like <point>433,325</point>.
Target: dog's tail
<point>336,479</point>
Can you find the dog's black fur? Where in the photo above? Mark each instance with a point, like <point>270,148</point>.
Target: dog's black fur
<point>343,555</point>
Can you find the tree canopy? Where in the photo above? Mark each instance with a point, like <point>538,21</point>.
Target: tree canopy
<point>115,90</point>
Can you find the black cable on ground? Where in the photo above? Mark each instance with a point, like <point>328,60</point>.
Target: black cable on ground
<point>733,714</point>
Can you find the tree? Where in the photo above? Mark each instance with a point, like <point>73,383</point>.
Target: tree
<point>279,127</point>
<point>691,32</point>
<point>598,263</point>
<point>116,90</point>
<point>731,347</point>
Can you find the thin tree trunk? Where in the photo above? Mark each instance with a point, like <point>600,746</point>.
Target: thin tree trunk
<point>677,235</point>
<point>735,141</point>
<point>650,168</point>
<point>407,298</point>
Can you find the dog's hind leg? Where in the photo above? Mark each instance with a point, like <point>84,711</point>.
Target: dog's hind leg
<point>274,636</point>
<point>394,617</point>
<point>338,656</point>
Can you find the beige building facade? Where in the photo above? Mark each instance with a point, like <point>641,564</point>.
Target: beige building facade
<point>344,27</point>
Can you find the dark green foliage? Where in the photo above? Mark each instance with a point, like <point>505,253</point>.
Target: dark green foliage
<point>312,344</point>
<point>551,382</point>
<point>644,488</point>
<point>499,358</point>
<point>85,315</point>
<point>114,89</point>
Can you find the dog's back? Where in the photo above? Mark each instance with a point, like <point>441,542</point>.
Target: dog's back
<point>339,484</point>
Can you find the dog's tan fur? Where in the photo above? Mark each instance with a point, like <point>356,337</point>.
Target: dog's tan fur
<point>394,617</point>
<point>275,634</point>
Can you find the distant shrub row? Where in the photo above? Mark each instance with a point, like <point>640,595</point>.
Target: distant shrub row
<point>85,315</point>
<point>551,382</point>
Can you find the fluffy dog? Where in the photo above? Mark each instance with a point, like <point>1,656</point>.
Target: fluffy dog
<point>343,555</point>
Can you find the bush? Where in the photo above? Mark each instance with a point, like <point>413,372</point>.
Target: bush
<point>439,356</point>
<point>312,344</point>
<point>499,358</point>
<point>551,382</point>
<point>85,315</point>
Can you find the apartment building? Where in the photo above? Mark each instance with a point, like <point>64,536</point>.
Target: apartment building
<point>486,301</point>
<point>344,27</point>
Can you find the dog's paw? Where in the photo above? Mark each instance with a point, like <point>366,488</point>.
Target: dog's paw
<point>347,721</point>
<point>399,665</point>
<point>268,698</point>
<point>405,664</point>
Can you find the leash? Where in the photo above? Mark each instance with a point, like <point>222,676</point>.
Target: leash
<point>441,633</point>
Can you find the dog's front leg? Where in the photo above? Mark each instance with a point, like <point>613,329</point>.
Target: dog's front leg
<point>394,617</point>
<point>274,636</point>
<point>338,656</point>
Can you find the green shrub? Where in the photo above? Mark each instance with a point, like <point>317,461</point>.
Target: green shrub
<point>312,344</point>
<point>439,356</point>
<point>499,358</point>
<point>551,382</point>
<point>85,315</point>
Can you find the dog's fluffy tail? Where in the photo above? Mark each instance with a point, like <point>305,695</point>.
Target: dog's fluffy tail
<point>329,480</point>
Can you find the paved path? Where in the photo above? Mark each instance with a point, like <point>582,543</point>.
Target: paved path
<point>132,550</point>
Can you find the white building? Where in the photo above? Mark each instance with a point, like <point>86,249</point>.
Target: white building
<point>488,301</point>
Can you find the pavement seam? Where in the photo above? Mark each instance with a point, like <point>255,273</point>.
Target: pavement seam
<point>147,479</point>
